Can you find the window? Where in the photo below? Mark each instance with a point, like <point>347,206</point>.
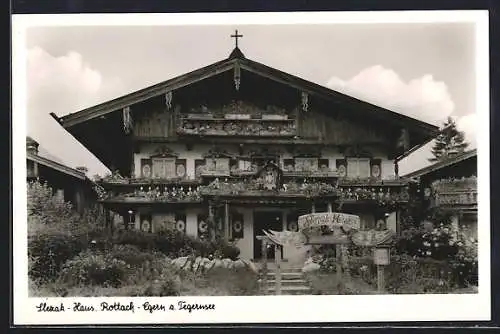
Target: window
<point>306,164</point>
<point>220,165</point>
<point>358,167</point>
<point>164,168</point>
<point>245,165</point>
<point>323,165</point>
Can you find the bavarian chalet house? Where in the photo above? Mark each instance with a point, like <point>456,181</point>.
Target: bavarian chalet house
<point>236,147</point>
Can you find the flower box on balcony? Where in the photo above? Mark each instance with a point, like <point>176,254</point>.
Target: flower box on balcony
<point>199,116</point>
<point>237,116</point>
<point>274,117</point>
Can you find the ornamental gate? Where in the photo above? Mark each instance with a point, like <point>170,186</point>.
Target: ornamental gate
<point>328,228</point>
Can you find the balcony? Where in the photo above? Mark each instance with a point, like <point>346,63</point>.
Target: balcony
<point>238,127</point>
<point>455,192</point>
<point>141,194</point>
<point>115,180</point>
<point>463,198</point>
<point>381,195</point>
<point>253,188</point>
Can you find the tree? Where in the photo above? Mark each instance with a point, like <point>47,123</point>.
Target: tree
<point>449,142</point>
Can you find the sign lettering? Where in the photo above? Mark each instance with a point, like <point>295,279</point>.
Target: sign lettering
<point>332,219</point>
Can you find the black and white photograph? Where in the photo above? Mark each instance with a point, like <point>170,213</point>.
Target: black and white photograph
<point>175,161</point>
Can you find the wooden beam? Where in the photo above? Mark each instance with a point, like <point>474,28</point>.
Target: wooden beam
<point>277,260</point>
<point>226,221</point>
<point>264,264</point>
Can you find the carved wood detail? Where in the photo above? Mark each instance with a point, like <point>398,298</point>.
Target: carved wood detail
<point>341,132</point>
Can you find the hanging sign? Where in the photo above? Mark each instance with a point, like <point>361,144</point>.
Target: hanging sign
<point>381,256</point>
<point>332,219</point>
<point>372,238</point>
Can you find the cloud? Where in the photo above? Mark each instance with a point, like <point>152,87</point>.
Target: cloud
<point>468,124</point>
<point>62,85</point>
<point>66,83</point>
<point>422,98</point>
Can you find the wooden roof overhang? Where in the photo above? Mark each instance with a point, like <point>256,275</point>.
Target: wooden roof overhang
<point>100,128</point>
<point>121,205</point>
<point>56,166</point>
<point>268,197</point>
<point>452,162</point>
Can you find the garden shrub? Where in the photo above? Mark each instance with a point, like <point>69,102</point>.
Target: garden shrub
<point>48,208</point>
<point>176,244</point>
<point>222,249</point>
<point>50,248</point>
<point>142,240</point>
<point>56,233</point>
<point>131,255</point>
<point>156,277</point>
<point>93,268</point>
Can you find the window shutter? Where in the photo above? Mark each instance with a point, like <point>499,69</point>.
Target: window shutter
<point>341,166</point>
<point>170,170</point>
<point>306,164</point>
<point>222,165</point>
<point>364,167</point>
<point>164,168</point>
<point>358,167</point>
<point>146,168</point>
<point>375,167</point>
<point>158,168</point>
<point>352,167</point>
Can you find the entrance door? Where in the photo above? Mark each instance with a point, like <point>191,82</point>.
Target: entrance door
<point>266,220</point>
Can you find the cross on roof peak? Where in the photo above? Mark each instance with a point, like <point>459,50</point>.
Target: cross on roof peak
<point>236,36</point>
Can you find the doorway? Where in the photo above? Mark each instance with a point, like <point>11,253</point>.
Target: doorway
<point>266,220</point>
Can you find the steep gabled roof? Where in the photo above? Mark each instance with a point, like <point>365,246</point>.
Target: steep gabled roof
<point>237,57</point>
<point>442,164</point>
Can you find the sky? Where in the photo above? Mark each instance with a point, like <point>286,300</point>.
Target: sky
<point>423,70</point>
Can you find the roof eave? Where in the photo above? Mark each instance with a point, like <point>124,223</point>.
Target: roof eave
<point>56,166</point>
<point>222,66</point>
<point>180,81</point>
<point>325,92</point>
<point>442,164</point>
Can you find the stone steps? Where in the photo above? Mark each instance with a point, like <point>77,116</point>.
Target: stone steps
<point>292,282</point>
<point>291,290</point>
<point>285,270</point>
<point>285,276</point>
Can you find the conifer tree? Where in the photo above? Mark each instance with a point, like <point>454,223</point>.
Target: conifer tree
<point>449,142</point>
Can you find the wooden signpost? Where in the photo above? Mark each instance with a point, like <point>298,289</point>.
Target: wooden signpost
<point>381,258</point>
<point>277,259</point>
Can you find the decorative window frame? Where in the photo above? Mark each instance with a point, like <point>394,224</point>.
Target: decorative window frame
<point>163,153</point>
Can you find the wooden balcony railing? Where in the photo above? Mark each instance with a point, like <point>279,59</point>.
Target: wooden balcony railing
<point>455,192</point>
<point>468,197</point>
<point>176,194</point>
<point>254,189</point>
<point>237,127</point>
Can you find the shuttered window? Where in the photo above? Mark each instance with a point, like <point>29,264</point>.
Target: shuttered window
<point>358,167</point>
<point>306,164</point>
<point>220,165</point>
<point>163,168</point>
